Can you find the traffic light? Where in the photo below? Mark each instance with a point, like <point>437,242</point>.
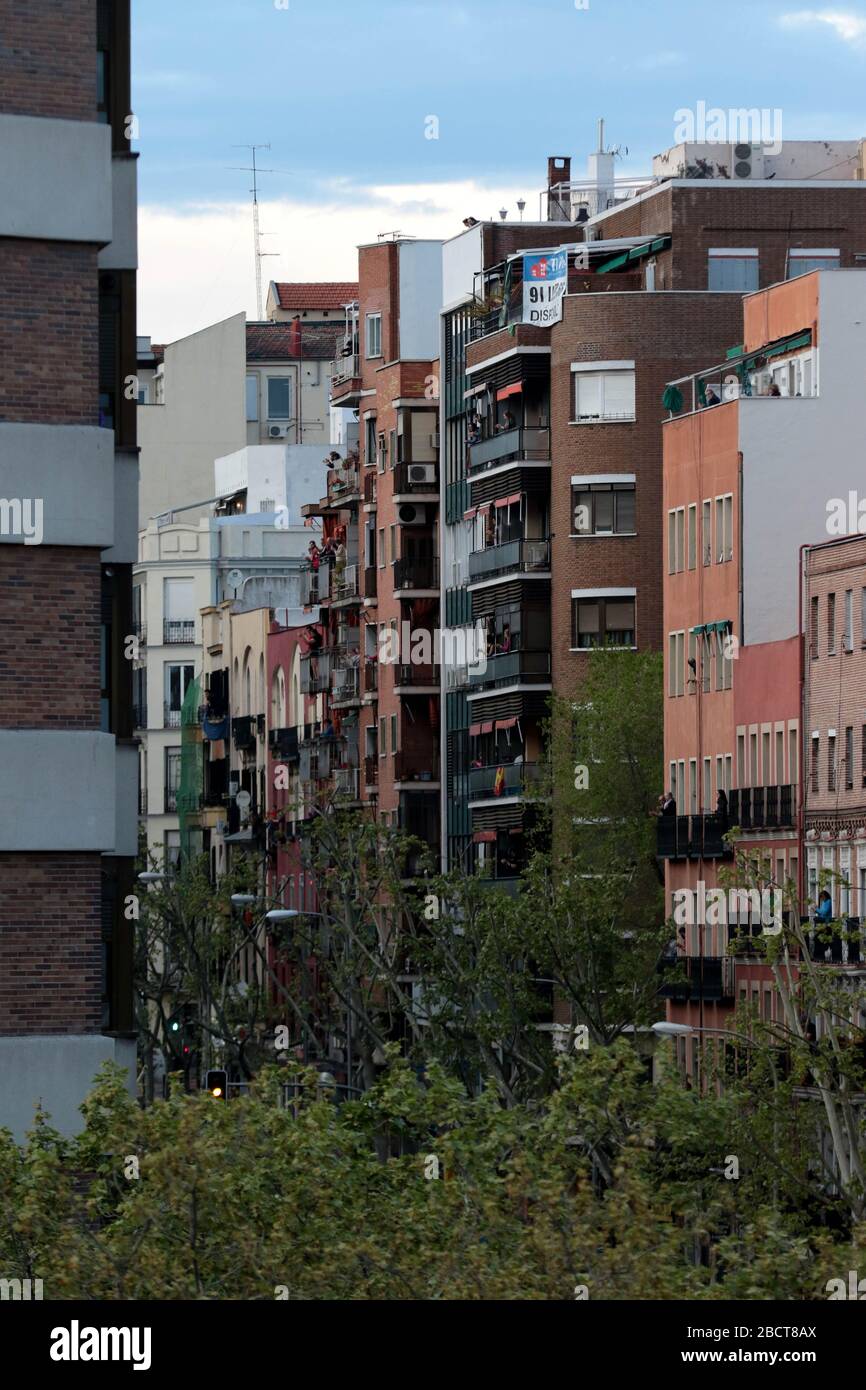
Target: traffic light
<point>217,1084</point>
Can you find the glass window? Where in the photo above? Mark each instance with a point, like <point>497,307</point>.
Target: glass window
<point>603,622</point>
<point>279,398</point>
<point>603,509</point>
<point>374,335</point>
<point>733,272</point>
<point>801,261</point>
<point>252,397</point>
<point>604,396</point>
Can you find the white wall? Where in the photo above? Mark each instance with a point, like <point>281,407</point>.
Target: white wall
<point>56,1072</point>
<point>420,298</point>
<point>55,179</point>
<point>461,258</point>
<point>798,455</point>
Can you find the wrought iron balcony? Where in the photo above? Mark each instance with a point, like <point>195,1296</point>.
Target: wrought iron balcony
<point>284,744</point>
<point>514,557</point>
<point>692,837</point>
<point>244,731</point>
<point>176,632</point>
<point>419,765</point>
<point>416,574</point>
<point>170,717</point>
<point>529,443</point>
<point>762,808</point>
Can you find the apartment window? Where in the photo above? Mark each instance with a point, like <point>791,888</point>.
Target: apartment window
<point>672,541</point>
<point>728,526</point>
<point>383,736</point>
<point>692,677</point>
<point>813,628</point>
<point>708,784</point>
<point>849,757</point>
<point>178,678</point>
<point>848,635</point>
<point>676,664</point>
<point>801,260</point>
<point>381,547</point>
<point>279,398</point>
<point>394,441</point>
<point>863,617</point>
<point>252,397</point>
<point>693,787</point>
<point>374,335</point>
<point>706,663</point>
<point>831,762</point>
<point>728,771</point>
<point>753,759</point>
<point>693,536</point>
<point>765,753</point>
<point>171,851</point>
<point>602,620</point>
<point>603,509</point>
<point>780,757</point>
<point>604,395</point>
<point>392,542</point>
<point>793,757</point>
<point>733,269</point>
<point>381,453</point>
<point>172,778</point>
<point>370,440</point>
<point>741,760</point>
<point>816,755</point>
<point>707,532</point>
<point>863,757</point>
<point>393,733</point>
<point>831,624</point>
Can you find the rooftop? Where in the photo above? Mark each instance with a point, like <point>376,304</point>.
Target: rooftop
<point>312,294</point>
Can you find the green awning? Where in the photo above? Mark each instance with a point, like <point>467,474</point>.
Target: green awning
<point>777,349</point>
<point>614,264</point>
<point>735,351</point>
<point>660,243</point>
<point>698,631</point>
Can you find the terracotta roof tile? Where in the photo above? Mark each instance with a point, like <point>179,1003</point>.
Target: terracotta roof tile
<point>308,294</point>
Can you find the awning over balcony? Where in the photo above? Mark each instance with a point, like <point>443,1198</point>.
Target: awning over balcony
<point>507,501</point>
<point>649,248</point>
<point>505,391</point>
<point>724,626</point>
<point>484,837</point>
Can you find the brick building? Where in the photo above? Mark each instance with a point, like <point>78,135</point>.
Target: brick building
<point>69,462</point>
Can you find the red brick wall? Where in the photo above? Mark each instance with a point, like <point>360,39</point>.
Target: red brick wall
<point>666,336</point>
<point>48,58</point>
<point>49,332</point>
<point>50,943</point>
<point>49,637</point>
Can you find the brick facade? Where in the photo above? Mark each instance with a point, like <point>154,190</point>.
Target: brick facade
<point>48,59</point>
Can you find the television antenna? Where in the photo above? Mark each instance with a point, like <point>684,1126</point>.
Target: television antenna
<point>257,232</point>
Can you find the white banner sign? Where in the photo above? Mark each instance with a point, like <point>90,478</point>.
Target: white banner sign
<point>545,280</point>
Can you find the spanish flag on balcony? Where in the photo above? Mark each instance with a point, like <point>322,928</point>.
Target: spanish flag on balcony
<point>499,782</point>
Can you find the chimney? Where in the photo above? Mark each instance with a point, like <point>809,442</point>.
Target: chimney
<point>558,200</point>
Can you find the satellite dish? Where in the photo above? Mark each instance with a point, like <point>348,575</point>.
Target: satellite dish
<point>234,579</point>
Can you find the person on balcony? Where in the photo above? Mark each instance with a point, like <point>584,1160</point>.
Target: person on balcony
<point>508,422</point>
<point>669,805</point>
<point>722,808</point>
<point>824,911</point>
<point>505,641</point>
<point>340,559</point>
<point>474,433</point>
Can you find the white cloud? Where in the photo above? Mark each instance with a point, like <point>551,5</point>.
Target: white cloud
<point>849,27</point>
<point>196,262</point>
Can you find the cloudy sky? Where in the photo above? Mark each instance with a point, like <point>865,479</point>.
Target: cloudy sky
<point>344,92</point>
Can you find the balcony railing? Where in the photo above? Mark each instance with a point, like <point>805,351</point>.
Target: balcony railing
<point>530,444</point>
<point>346,684</point>
<point>139,715</point>
<point>842,947</point>
<point>346,782</point>
<point>244,731</point>
<point>314,583</point>
<point>345,368</point>
<point>284,744</point>
<point>707,977</point>
<point>170,717</point>
<point>514,557</point>
<point>762,808</point>
<point>370,677</point>
<point>174,632</point>
<point>345,583</point>
<point>371,770</point>
<point>693,837</point>
<point>416,574</point>
<point>316,672</point>
<point>170,798</point>
<point>417,765</point>
<point>142,801</point>
<point>527,668</point>
<point>343,482</point>
<point>512,779</point>
<point>416,676</point>
<point>416,477</point>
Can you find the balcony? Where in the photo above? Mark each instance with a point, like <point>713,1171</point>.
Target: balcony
<point>512,668</point>
<point>710,978</point>
<point>345,374</point>
<point>416,480</point>
<point>284,744</point>
<point>343,484</point>
<point>370,677</point>
<point>419,766</point>
<point>692,837</point>
<point>763,808</point>
<point>416,575</point>
<point>142,801</point>
<point>170,717</point>
<point>514,557</point>
<point>139,714</point>
<point>347,783</point>
<point>313,584</point>
<point>370,486</point>
<point>371,771</point>
<point>244,731</point>
<point>416,680</point>
<point>842,947</point>
<point>501,781</point>
<point>526,444</point>
<point>169,801</point>
<point>316,672</point>
<point>346,686</point>
<point>345,584</point>
<point>216,782</point>
<point>174,633</point>
<point>371,582</point>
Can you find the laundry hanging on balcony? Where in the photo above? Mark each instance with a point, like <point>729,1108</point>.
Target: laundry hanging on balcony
<point>215,729</point>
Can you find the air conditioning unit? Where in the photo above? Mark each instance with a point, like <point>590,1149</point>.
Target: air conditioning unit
<point>747,161</point>
<point>422,473</point>
<point>434,440</point>
<point>408,514</point>
<point>278,431</point>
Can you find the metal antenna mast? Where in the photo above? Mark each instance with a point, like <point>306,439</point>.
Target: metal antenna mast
<point>257,234</point>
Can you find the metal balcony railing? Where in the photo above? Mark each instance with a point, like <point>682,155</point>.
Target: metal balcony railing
<point>284,743</point>
<point>314,583</point>
<point>142,801</point>
<point>174,632</point>
<point>345,684</point>
<point>244,730</point>
<point>416,574</point>
<point>139,715</point>
<point>417,765</point>
<point>416,675</point>
<point>506,668</point>
<point>708,977</point>
<point>170,717</point>
<point>345,368</point>
<point>343,482</point>
<point>371,770</point>
<point>344,583</point>
<point>514,557</point>
<point>530,444</point>
<point>316,672</point>
<point>693,837</point>
<point>347,782</point>
<point>170,798</point>
<point>511,779</point>
<point>760,808</point>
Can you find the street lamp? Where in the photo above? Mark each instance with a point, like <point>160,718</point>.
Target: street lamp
<point>150,876</point>
<point>243,899</point>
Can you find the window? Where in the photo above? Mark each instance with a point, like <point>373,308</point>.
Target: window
<point>693,535</point>
<point>707,532</point>
<point>731,269</point>
<point>172,778</point>
<point>676,540</point>
<point>692,677</point>
<point>279,398</point>
<point>801,260</point>
<point>171,856</point>
<point>693,787</point>
<point>381,452</point>
<point>252,397</point>
<point>831,624</point>
<point>780,757</point>
<point>374,335</point>
<point>753,759</point>
<point>601,621</point>
<point>706,663</point>
<point>728,771</point>
<point>603,509</point>
<point>741,760</point>
<point>604,395</point>
<point>370,440</point>
<point>393,733</point>
<point>766,770</point>
<point>708,784</point>
<point>816,755</point>
<point>383,736</point>
<point>728,526</point>
<point>178,678</point>
<point>848,635</point>
<point>863,759</point>
<point>831,762</point>
<point>392,543</point>
<point>676,664</point>
<point>793,757</point>
<point>381,547</point>
<point>849,757</point>
<point>813,629</point>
